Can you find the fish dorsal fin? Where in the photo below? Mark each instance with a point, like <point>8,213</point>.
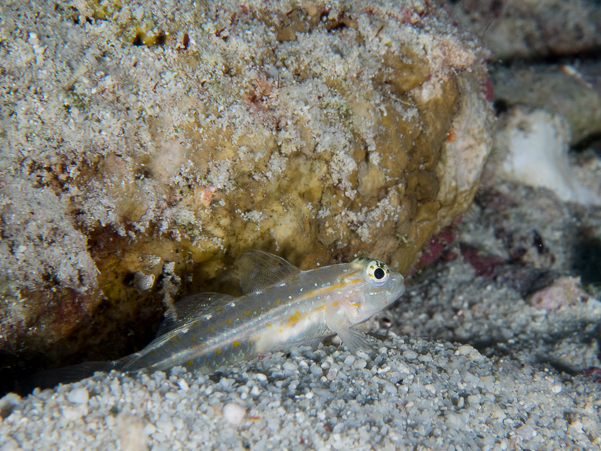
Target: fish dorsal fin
<point>191,307</point>
<point>258,270</point>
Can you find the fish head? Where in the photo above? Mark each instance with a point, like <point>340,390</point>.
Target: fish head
<point>380,286</point>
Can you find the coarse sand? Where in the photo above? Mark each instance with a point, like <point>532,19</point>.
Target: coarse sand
<point>414,392</point>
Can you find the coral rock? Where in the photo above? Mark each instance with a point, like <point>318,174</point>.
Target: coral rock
<point>532,29</point>
<point>156,142</point>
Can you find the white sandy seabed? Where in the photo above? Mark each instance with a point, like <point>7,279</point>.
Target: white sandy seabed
<point>414,394</point>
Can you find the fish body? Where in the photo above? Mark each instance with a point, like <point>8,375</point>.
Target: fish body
<point>282,307</point>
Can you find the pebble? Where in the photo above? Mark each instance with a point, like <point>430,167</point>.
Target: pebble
<point>427,358</point>
<point>143,282</point>
<point>464,350</point>
<point>226,382</point>
<point>290,367</point>
<point>526,432</point>
<point>233,413</point>
<point>71,414</point>
<point>410,355</point>
<point>78,396</point>
<point>359,364</point>
<point>165,426</point>
<point>577,426</point>
<point>261,377</point>
<point>255,391</point>
<point>315,370</point>
<point>473,400</point>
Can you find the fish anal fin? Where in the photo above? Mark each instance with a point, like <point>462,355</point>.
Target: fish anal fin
<point>258,270</point>
<point>190,308</point>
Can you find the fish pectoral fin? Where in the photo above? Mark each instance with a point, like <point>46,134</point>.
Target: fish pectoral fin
<point>258,270</point>
<point>353,339</point>
<point>314,343</point>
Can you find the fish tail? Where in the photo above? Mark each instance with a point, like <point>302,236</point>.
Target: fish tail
<point>65,375</point>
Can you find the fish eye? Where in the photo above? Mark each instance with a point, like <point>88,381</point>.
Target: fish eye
<point>377,272</point>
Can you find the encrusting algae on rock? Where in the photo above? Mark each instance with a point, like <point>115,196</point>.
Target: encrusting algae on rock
<point>319,131</point>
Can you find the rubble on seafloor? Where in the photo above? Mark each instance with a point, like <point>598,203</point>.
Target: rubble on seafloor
<point>413,394</point>
<point>147,146</point>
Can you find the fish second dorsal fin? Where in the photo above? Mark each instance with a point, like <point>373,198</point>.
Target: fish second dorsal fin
<point>191,307</point>
<point>258,270</point>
